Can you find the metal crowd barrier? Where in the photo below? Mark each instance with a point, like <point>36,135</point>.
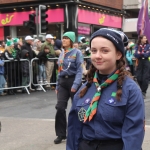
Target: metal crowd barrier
<point>35,65</point>
<point>14,75</point>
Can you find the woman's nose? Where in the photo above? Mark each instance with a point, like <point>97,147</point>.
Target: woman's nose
<point>98,54</point>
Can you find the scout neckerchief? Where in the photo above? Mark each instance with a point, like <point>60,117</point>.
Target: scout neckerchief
<point>61,59</point>
<point>94,103</point>
<point>142,47</point>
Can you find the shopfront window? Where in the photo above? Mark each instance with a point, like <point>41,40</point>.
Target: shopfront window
<point>54,29</point>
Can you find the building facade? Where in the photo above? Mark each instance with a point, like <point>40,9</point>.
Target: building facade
<point>130,22</point>
<point>81,16</point>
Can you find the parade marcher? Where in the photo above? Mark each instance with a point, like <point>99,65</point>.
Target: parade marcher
<point>69,79</point>
<point>129,56</point>
<point>108,110</point>
<point>142,52</point>
<point>50,62</point>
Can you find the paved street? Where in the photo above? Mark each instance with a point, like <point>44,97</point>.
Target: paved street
<point>28,122</point>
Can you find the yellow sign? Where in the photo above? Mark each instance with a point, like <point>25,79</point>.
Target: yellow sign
<point>7,20</point>
<point>102,20</point>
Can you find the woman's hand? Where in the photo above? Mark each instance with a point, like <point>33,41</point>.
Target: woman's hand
<point>56,91</point>
<point>73,90</point>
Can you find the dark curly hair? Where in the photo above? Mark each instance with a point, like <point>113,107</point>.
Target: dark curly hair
<point>122,74</point>
<point>140,38</point>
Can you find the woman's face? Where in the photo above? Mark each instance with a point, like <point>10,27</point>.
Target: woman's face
<point>143,40</point>
<point>104,55</point>
<point>66,42</point>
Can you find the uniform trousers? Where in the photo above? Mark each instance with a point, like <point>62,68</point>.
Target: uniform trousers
<point>101,145</point>
<point>142,74</point>
<point>63,95</point>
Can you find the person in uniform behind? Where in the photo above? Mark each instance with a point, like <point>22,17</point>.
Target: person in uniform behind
<point>142,52</point>
<point>69,80</point>
<point>108,110</point>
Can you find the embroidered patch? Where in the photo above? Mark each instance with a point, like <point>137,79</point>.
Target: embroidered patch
<point>73,57</point>
<point>81,114</point>
<point>111,101</point>
<point>87,101</point>
<point>113,94</point>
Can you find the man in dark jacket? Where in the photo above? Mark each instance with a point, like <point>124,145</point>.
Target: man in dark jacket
<point>25,68</point>
<point>28,47</point>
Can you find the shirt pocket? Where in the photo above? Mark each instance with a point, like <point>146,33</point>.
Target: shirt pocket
<point>114,110</point>
<point>72,60</point>
<point>81,109</point>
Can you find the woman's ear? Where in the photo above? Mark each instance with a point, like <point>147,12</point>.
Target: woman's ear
<point>119,55</point>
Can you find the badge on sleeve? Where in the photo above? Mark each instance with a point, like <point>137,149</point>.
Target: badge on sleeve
<point>81,114</point>
<point>87,100</point>
<point>111,101</point>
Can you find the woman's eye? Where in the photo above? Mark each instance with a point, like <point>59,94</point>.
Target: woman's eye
<point>105,51</point>
<point>93,50</point>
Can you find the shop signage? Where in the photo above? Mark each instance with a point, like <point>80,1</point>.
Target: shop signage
<point>17,18</point>
<point>96,18</point>
<point>83,30</point>
<point>1,33</point>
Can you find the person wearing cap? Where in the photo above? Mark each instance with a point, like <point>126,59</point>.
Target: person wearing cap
<point>50,63</point>
<point>17,45</point>
<point>142,52</point>
<point>108,110</point>
<point>69,80</point>
<point>28,46</point>
<point>10,67</point>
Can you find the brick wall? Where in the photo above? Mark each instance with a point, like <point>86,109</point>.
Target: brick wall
<point>14,1</point>
<point>117,4</point>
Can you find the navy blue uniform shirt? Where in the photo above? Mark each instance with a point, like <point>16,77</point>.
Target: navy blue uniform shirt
<point>72,65</point>
<point>146,52</point>
<point>114,119</point>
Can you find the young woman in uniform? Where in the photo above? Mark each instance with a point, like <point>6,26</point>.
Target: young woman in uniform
<point>69,80</point>
<point>108,110</point>
<point>142,52</point>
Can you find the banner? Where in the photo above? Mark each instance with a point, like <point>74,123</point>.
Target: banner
<point>143,24</point>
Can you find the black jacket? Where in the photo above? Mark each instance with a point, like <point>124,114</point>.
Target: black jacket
<point>29,49</point>
<point>42,57</point>
<point>24,64</point>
